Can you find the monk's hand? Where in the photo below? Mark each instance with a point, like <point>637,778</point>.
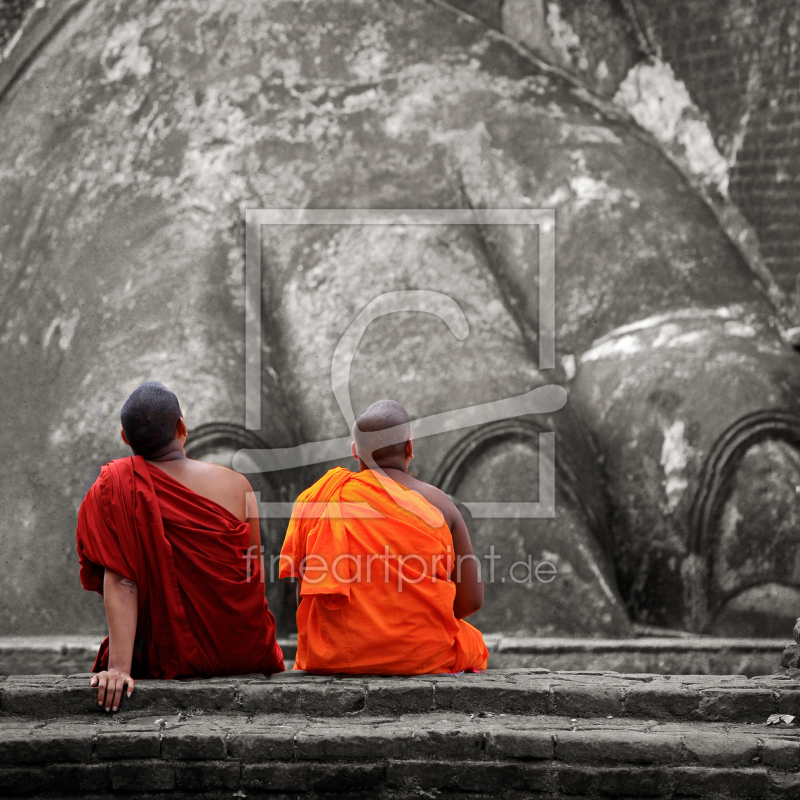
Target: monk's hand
<point>110,684</point>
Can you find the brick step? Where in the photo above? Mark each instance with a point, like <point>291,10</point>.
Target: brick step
<point>575,694</point>
<point>439,753</point>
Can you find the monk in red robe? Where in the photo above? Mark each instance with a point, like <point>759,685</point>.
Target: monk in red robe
<point>386,569</point>
<point>173,546</point>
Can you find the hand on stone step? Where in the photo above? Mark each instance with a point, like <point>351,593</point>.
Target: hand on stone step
<point>110,684</point>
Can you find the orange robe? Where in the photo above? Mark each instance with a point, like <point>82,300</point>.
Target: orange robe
<point>202,610</point>
<point>376,596</point>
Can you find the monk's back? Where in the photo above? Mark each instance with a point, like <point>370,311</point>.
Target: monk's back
<point>385,604</point>
<point>224,486</point>
<point>173,545</point>
<point>201,608</point>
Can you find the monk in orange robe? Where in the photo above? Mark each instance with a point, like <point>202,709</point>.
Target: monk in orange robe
<point>173,546</point>
<point>385,563</point>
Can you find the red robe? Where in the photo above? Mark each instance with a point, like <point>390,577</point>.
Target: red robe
<point>198,615</point>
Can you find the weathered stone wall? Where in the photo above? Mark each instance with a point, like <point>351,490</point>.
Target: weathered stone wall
<point>124,260</point>
<point>12,12</point>
<point>596,41</point>
<point>717,82</point>
<point>740,60</point>
<point>124,189</point>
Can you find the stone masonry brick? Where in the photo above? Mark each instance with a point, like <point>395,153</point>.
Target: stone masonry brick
<point>618,746</point>
<point>73,696</point>
<point>498,698</point>
<point>345,777</point>
<point>261,746</point>
<point>789,701</point>
<point>787,786</point>
<point>193,745</point>
<point>78,778</point>
<point>736,705</point>
<point>700,781</point>
<point>399,697</point>
<point>453,743</point>
<point>46,746</point>
<point>577,780</point>
<point>528,744</point>
<point>317,699</point>
<point>275,777</point>
<point>48,701</point>
<point>487,777</point>
<point>322,744</point>
<point>136,744</point>
<point>198,777</point>
<point>421,774</point>
<point>717,749</point>
<point>43,679</point>
<point>165,696</point>
<point>586,700</point>
<point>143,776</point>
<point>660,700</point>
<point>540,778</point>
<point>20,781</point>
<point>781,753</point>
<point>634,782</point>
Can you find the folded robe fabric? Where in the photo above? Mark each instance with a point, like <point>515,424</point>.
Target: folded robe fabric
<point>376,594</point>
<point>201,608</point>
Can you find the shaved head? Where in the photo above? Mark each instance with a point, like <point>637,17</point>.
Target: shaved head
<point>149,418</point>
<point>382,432</point>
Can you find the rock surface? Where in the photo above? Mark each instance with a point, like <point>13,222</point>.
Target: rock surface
<point>132,146</point>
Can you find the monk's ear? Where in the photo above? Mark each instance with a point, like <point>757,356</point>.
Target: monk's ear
<point>124,438</point>
<point>180,429</point>
<point>353,450</point>
<point>410,448</point>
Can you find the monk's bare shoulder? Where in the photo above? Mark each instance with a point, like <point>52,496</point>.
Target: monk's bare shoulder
<point>226,487</point>
<point>221,473</point>
<point>462,543</point>
<point>231,483</point>
<point>437,498</point>
<point>220,484</point>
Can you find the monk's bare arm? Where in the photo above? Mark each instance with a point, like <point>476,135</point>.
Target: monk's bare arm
<point>121,598</point>
<point>255,529</point>
<point>466,572</point>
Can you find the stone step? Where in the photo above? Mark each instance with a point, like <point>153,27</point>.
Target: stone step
<point>652,654</point>
<point>520,692</point>
<point>446,753</point>
<point>684,654</point>
<point>68,655</point>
